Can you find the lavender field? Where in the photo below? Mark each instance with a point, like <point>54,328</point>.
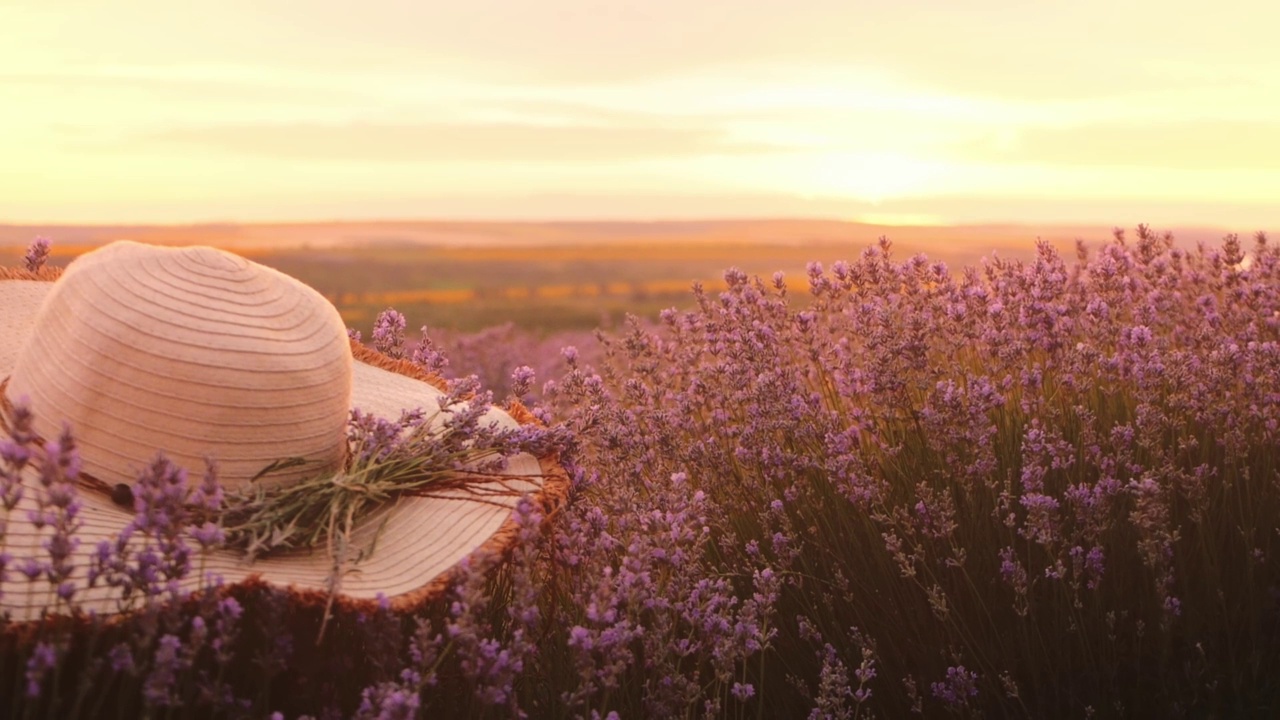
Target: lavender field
<point>1043,488</point>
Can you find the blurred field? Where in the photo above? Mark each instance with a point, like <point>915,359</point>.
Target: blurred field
<point>546,277</point>
<point>542,290</point>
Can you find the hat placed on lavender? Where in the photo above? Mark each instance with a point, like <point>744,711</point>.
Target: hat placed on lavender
<point>199,353</point>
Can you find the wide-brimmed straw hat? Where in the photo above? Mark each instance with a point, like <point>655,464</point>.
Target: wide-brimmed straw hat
<point>196,352</point>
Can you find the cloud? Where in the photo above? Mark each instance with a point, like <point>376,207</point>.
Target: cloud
<point>1203,145</point>
<point>172,86</point>
<point>457,142</point>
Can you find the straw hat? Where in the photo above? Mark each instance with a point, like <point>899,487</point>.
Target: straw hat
<point>198,353</point>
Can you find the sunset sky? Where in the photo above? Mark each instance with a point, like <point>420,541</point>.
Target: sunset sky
<point>1090,111</point>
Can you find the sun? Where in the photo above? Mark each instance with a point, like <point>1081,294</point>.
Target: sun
<point>868,176</point>
<point>899,219</point>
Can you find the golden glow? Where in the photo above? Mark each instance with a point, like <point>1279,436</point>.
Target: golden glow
<point>873,177</point>
<point>148,111</point>
<point>898,219</point>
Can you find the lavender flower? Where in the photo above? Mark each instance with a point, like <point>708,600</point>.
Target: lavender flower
<point>521,381</point>
<point>43,659</point>
<point>150,557</point>
<point>57,508</point>
<point>388,702</point>
<point>37,254</point>
<point>958,688</point>
<point>160,689</point>
<point>388,333</point>
<point>428,356</point>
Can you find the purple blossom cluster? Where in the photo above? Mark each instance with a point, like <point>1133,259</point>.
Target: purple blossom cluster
<point>152,555</point>
<point>37,254</point>
<point>388,333</point>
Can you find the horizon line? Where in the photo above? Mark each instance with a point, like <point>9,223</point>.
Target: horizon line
<point>622,220</point>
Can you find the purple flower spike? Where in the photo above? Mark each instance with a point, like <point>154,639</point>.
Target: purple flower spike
<point>37,254</point>
<point>388,333</point>
<point>428,355</point>
<point>42,660</point>
<point>958,688</point>
<point>521,381</point>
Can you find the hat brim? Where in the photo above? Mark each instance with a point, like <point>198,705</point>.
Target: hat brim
<point>419,539</point>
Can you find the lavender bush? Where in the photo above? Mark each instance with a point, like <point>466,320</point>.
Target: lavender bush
<point>1040,489</point>
<point>1033,489</point>
<point>502,358</point>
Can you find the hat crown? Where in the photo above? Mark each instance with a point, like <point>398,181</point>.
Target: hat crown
<point>194,352</point>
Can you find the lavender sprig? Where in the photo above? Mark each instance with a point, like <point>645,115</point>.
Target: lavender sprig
<point>37,254</point>
<point>413,457</point>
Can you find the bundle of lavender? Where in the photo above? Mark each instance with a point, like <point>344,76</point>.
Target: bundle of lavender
<point>423,454</point>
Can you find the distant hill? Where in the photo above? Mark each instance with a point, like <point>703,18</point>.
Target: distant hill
<point>553,276</point>
<point>949,243</point>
